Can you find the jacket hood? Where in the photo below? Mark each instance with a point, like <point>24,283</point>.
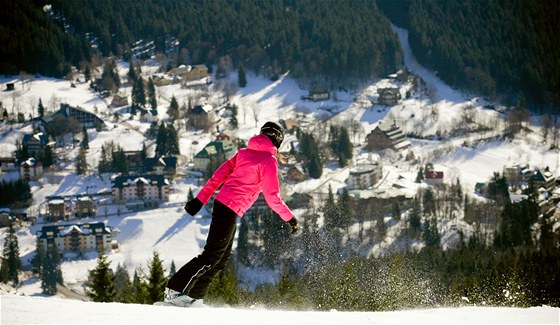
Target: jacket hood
<point>262,143</point>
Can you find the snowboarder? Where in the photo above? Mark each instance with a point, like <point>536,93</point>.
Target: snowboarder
<point>244,176</point>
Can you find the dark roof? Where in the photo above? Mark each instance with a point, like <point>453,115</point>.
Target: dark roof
<point>168,162</point>
<point>62,230</point>
<point>125,181</point>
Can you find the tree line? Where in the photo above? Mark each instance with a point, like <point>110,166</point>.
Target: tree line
<point>504,49</point>
<point>312,39</point>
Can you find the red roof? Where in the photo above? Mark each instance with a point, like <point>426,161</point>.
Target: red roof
<point>433,175</point>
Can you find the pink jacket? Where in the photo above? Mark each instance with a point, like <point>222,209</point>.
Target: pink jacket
<point>243,177</point>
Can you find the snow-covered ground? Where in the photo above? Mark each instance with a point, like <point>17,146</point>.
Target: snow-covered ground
<point>178,237</point>
<point>35,310</point>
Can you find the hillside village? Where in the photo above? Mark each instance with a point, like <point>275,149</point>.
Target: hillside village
<point>148,180</point>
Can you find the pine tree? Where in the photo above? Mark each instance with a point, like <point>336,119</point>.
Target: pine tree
<point>139,287</point>
<point>81,162</point>
<point>51,273</point>
<point>224,288</point>
<point>172,146</point>
<point>38,259</point>
<point>173,110</point>
<point>161,140</point>
<point>315,166</point>
<point>11,254</point>
<point>156,279</point>
<point>344,147</point>
<point>331,211</point>
<point>100,287</point>
<point>87,73</point>
<point>41,109</point>
<point>172,269</point>
<point>131,72</point>
<point>85,140</point>
<point>123,285</point>
<point>152,94</point>
<point>242,76</point>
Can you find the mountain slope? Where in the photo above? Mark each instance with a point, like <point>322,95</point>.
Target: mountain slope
<point>17,310</point>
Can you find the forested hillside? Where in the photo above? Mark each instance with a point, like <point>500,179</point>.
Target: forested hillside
<point>503,48</point>
<point>33,42</point>
<point>336,39</point>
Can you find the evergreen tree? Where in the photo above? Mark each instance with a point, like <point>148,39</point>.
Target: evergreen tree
<point>85,140</point>
<point>131,72</point>
<point>161,140</point>
<point>172,269</point>
<point>233,110</point>
<point>345,212</point>
<point>81,162</point>
<point>41,108</point>
<point>344,147</point>
<point>100,287</point>
<point>38,259</point>
<point>315,166</point>
<point>172,146</point>
<point>138,94</point>
<point>11,254</point>
<point>156,279</point>
<point>139,287</point>
<point>173,110</point>
<point>331,211</point>
<point>123,285</point>
<point>224,288</point>
<point>152,94</point>
<point>87,73</point>
<point>242,76</point>
<point>51,274</point>
<point>46,156</point>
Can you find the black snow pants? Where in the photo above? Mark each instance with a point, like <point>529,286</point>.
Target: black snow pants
<point>195,277</point>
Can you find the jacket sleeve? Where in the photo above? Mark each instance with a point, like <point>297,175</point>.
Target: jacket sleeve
<point>271,190</point>
<point>219,176</point>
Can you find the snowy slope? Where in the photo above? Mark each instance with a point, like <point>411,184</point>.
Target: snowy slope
<point>32,310</point>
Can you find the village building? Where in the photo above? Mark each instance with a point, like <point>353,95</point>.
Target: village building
<point>145,190</point>
<point>544,179</point>
<point>30,169</point>
<point>215,150</point>
<point>387,136</point>
<point>119,101</point>
<point>166,166</point>
<point>85,207</point>
<point>201,117</point>
<point>296,173</point>
<point>388,96</point>
<point>364,176</point>
<point>5,217</point>
<point>318,95</point>
<point>85,118</point>
<point>136,161</point>
<point>299,200</point>
<point>7,165</point>
<point>432,177</point>
<point>190,74</point>
<point>57,209</point>
<point>78,238</point>
<point>35,143</point>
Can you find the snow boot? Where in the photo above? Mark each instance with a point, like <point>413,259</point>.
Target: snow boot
<point>179,299</point>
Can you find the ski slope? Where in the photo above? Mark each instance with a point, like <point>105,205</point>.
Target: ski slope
<point>38,310</point>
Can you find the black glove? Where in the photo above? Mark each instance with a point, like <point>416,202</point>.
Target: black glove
<point>193,206</point>
<point>294,224</point>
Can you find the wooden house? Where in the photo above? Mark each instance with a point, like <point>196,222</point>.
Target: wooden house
<point>388,96</point>
<point>387,136</point>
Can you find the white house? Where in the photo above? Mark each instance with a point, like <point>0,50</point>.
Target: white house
<point>77,237</point>
<point>364,176</point>
<point>149,189</point>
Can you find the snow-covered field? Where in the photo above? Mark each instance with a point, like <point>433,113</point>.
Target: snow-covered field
<point>178,237</point>
<point>33,310</point>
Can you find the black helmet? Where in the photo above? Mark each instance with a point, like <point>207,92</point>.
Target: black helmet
<point>274,131</point>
